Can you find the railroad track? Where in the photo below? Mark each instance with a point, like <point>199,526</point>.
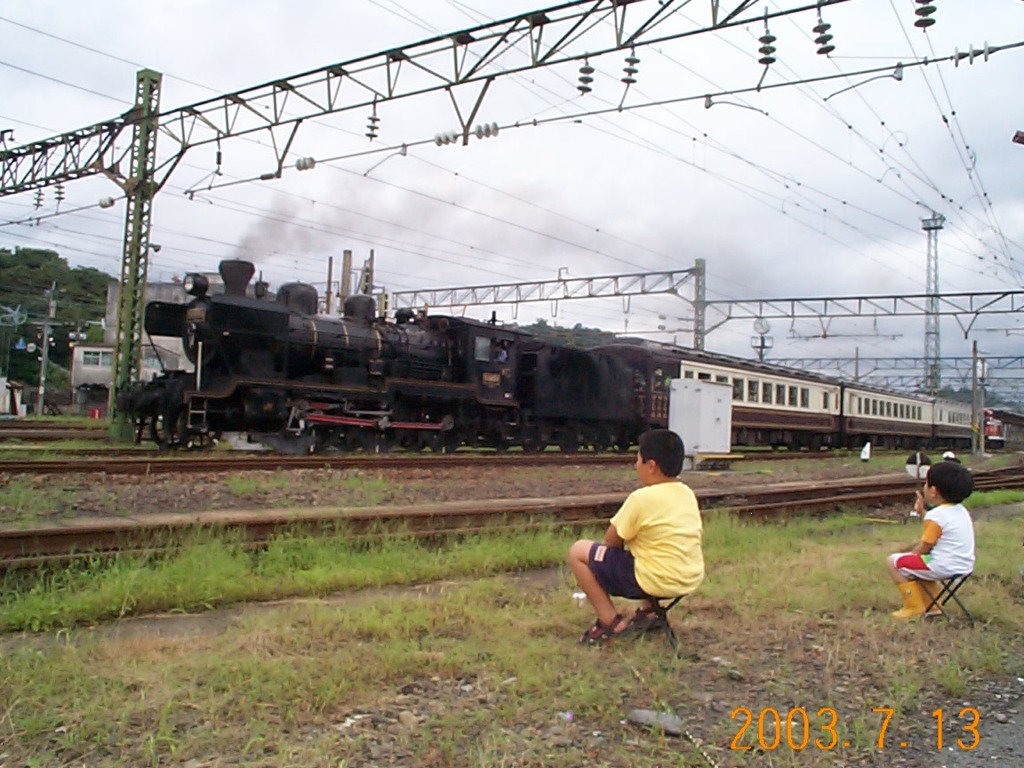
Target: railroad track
<point>155,534</point>
<point>227,462</point>
<point>145,462</point>
<point>51,434</point>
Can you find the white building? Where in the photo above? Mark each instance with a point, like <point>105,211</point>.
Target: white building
<point>10,397</point>
<point>92,365</point>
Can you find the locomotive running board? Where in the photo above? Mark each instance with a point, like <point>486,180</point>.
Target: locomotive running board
<point>352,421</point>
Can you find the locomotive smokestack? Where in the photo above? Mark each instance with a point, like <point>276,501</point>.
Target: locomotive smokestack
<point>236,275</point>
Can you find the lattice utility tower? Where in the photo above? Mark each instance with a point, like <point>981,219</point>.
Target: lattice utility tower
<point>932,347</point>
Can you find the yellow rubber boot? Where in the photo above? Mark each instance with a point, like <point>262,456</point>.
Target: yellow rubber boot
<point>914,600</point>
<point>931,591</point>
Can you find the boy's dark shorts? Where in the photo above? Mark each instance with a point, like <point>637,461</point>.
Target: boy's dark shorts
<point>614,570</point>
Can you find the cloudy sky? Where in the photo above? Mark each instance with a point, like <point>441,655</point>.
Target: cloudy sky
<point>787,191</point>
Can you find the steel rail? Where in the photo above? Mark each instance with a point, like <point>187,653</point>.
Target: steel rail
<point>208,462</point>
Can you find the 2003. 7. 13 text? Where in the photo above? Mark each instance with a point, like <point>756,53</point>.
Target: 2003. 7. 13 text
<point>796,730</point>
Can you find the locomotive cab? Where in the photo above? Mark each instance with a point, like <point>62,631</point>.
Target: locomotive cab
<point>491,359</point>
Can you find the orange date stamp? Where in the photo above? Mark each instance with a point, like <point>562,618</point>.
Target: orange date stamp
<point>797,729</point>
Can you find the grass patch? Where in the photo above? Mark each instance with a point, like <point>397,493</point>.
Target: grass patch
<point>467,665</point>
<point>24,501</point>
<point>998,498</point>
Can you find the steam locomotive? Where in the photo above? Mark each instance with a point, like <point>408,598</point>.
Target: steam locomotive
<point>297,381</point>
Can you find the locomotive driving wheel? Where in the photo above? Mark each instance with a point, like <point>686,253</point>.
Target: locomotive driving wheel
<point>532,439</point>
<point>169,428</point>
<point>601,440</point>
<point>568,441</point>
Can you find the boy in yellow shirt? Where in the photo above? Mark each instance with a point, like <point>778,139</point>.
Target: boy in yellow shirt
<point>661,525</point>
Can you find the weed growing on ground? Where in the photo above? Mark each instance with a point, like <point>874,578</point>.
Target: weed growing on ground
<point>790,618</point>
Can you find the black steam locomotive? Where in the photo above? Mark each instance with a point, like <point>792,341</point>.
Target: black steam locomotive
<point>272,368</point>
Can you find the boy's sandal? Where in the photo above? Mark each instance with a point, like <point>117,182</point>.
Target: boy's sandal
<point>646,620</point>
<point>602,633</point>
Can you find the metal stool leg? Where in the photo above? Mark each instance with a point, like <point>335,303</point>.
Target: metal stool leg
<point>661,611</point>
<point>948,592</point>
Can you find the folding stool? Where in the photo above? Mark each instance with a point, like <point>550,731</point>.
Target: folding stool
<point>948,592</point>
<point>661,611</point>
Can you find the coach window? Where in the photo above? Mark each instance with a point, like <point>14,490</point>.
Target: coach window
<point>766,393</point>
<point>687,374</point>
<point>874,407</point>
<point>805,397</point>
<point>780,394</point>
<point>793,400</point>
<point>704,376</point>
<point>824,401</point>
<point>658,382</point>
<point>888,408</point>
<point>737,389</point>
<point>753,388</point>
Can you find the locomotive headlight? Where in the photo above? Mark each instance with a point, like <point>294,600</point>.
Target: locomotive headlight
<point>195,285</point>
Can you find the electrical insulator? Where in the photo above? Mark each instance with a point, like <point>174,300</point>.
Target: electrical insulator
<point>58,193</point>
<point>486,130</point>
<point>106,202</point>
<point>447,137</point>
<point>630,68</point>
<point>925,12</point>
<point>767,50</point>
<point>305,164</point>
<point>371,125</point>
<point>823,39</point>
<point>586,77</point>
<point>39,199</point>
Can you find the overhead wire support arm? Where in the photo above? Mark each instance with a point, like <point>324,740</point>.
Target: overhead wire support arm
<point>634,284</point>
<point>101,148</point>
<point>957,305</point>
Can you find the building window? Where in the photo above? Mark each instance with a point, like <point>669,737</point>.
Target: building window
<point>98,359</point>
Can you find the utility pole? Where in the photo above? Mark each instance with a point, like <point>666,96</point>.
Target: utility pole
<point>44,360</point>
<point>932,356</point>
<point>977,402</point>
